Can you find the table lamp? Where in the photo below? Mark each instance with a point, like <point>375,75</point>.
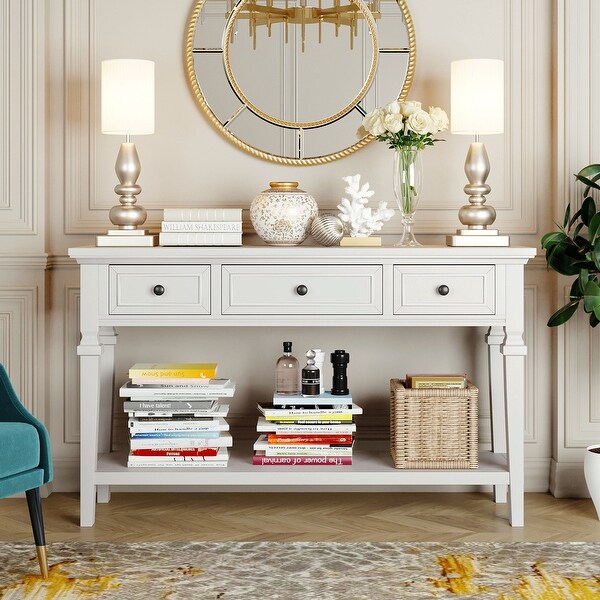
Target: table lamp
<point>127,109</point>
<point>477,108</point>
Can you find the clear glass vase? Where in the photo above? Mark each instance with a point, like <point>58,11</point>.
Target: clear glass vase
<point>408,180</point>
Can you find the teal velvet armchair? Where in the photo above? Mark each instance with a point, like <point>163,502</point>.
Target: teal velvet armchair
<point>25,460</point>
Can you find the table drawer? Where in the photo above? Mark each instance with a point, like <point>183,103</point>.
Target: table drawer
<point>301,290</point>
<point>444,289</point>
<point>159,290</point>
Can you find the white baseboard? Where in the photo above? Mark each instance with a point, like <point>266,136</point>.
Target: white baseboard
<point>567,480</point>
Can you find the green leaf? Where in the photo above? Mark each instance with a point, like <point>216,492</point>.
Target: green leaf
<point>567,215</point>
<point>594,320</point>
<point>596,254</point>
<point>562,315</point>
<point>558,259</point>
<point>589,175</point>
<point>578,229</point>
<point>594,227</point>
<point>581,281</point>
<point>591,298</point>
<point>552,238</point>
<point>588,210</point>
<point>590,183</point>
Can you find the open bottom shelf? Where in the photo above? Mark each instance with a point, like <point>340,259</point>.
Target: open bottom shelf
<point>370,468</point>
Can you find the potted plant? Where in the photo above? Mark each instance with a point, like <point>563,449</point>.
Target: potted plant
<point>574,250</point>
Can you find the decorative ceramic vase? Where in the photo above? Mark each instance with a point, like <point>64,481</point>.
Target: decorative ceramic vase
<point>408,180</point>
<point>327,230</point>
<point>282,215</point>
<point>591,470</point>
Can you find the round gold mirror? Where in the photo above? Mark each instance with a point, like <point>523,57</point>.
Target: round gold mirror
<point>291,80</point>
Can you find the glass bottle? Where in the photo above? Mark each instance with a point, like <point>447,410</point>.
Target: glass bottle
<point>287,373</point>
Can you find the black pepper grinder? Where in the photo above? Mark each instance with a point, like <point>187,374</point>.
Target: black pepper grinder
<point>311,377</point>
<point>340,360</point>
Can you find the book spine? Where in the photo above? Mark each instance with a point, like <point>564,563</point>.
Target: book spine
<point>176,405</point>
<point>309,429</point>
<point>150,464</point>
<point>202,226</point>
<point>195,442</point>
<point>293,417</point>
<point>188,382</point>
<point>206,373</point>
<point>175,427</point>
<point>202,214</point>
<point>304,451</point>
<point>445,385</point>
<point>199,239</point>
<point>136,434</point>
<point>174,413</point>
<point>274,438</point>
<point>301,460</point>
<point>174,452</point>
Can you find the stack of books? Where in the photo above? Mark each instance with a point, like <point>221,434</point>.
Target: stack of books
<point>176,418</point>
<point>201,227</point>
<point>303,430</point>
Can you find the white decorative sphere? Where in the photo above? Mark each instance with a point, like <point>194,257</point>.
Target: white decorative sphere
<point>282,215</point>
<point>327,230</point>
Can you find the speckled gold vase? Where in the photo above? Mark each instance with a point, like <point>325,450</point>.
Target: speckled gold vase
<point>282,215</point>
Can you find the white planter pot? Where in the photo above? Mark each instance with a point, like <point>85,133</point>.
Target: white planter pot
<point>591,470</point>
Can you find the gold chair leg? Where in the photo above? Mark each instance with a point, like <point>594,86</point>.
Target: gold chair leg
<point>42,560</point>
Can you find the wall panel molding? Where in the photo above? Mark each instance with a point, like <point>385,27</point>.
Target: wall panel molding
<point>71,364</point>
<point>21,116</point>
<point>18,345</point>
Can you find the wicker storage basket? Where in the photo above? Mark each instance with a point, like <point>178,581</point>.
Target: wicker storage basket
<point>433,428</point>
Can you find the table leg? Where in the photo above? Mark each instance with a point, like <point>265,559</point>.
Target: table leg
<point>494,338</point>
<point>90,393</point>
<point>514,351</point>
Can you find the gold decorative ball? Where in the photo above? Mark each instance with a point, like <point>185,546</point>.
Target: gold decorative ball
<point>327,230</point>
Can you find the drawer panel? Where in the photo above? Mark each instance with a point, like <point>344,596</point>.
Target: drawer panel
<point>419,290</point>
<point>277,290</point>
<point>186,290</point>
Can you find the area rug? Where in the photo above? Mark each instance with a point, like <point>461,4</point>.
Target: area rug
<point>303,571</point>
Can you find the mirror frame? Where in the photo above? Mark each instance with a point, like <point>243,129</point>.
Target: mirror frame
<point>284,160</point>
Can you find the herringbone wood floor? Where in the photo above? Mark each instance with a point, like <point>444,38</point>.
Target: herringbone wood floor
<point>336,516</point>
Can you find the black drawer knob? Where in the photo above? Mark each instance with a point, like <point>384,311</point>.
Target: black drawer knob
<point>301,290</point>
<point>158,290</point>
<point>443,290</point>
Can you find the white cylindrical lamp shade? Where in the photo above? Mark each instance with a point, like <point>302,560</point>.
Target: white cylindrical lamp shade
<point>477,96</point>
<point>128,96</point>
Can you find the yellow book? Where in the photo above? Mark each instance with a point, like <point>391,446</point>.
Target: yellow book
<point>185,370</point>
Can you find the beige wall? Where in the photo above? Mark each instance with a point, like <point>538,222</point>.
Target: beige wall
<point>58,179</point>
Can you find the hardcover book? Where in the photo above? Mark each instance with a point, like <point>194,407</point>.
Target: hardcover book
<point>182,413</point>
<point>202,214</point>
<point>436,381</point>
<point>172,392</point>
<point>260,458</point>
<point>338,440</point>
<point>316,429</point>
<point>175,452</point>
<point>326,398</point>
<point>225,440</point>
<point>189,382</point>
<point>198,370</point>
<point>202,226</point>
<point>137,425</point>
<point>187,405</point>
<point>301,450</point>
<point>187,238</point>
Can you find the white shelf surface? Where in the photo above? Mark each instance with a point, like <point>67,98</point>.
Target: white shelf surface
<point>370,467</point>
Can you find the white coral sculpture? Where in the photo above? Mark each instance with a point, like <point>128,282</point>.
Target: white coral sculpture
<point>360,220</point>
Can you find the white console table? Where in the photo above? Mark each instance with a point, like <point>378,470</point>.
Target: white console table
<point>262,286</point>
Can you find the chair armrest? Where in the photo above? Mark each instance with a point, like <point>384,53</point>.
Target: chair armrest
<point>12,410</point>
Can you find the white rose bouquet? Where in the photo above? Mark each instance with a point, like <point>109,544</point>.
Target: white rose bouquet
<point>404,124</point>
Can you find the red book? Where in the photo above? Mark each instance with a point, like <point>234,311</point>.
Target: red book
<point>339,440</point>
<point>289,461</point>
<point>174,452</point>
